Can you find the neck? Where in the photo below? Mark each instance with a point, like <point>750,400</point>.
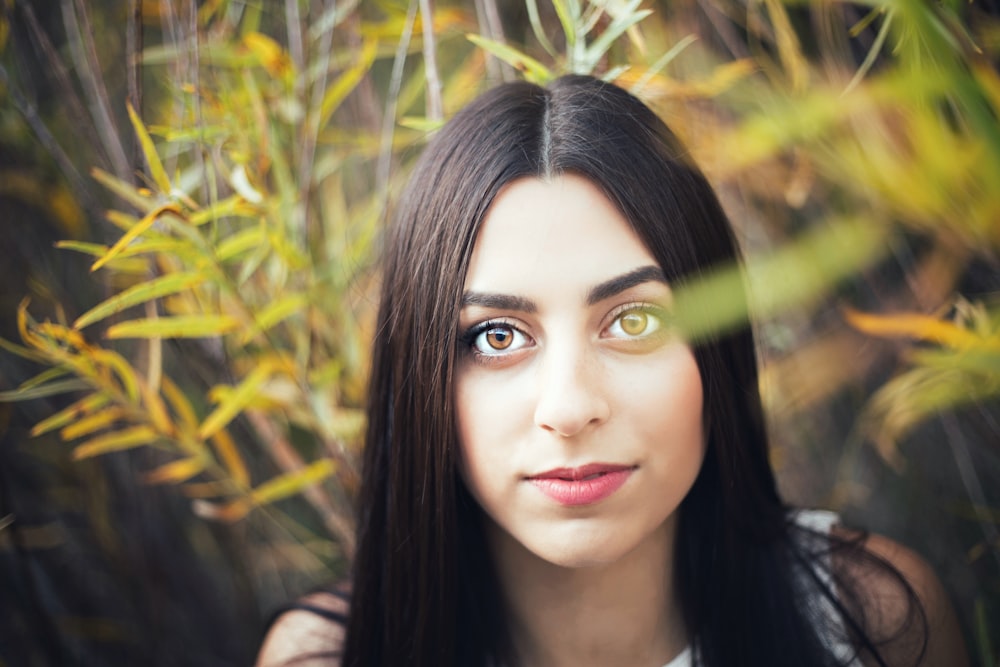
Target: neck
<point>623,613</point>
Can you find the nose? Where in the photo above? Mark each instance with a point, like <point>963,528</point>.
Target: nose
<point>571,392</point>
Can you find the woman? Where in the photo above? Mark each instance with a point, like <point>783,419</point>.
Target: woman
<point>552,475</point>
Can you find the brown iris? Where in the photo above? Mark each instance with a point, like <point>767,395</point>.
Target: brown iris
<point>634,323</point>
<point>499,338</point>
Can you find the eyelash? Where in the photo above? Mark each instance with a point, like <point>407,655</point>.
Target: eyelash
<point>468,338</point>
<point>650,310</point>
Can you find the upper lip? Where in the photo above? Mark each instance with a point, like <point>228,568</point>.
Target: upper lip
<point>581,472</point>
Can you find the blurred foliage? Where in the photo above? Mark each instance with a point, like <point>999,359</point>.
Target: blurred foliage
<point>242,159</point>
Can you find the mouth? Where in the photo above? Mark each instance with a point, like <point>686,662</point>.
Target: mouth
<point>585,485</point>
<point>583,473</point>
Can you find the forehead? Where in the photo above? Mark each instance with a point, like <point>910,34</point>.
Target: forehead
<point>561,231</point>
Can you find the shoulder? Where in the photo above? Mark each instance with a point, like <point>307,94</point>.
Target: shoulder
<point>310,634</point>
<point>905,609</point>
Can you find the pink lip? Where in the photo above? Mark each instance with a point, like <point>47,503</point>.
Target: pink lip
<point>581,486</point>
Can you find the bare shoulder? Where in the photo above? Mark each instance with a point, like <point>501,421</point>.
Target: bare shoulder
<point>899,629</point>
<point>309,635</point>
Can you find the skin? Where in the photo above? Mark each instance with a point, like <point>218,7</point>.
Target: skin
<point>568,359</point>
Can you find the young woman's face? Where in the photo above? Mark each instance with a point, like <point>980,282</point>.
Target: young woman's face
<point>579,410</point>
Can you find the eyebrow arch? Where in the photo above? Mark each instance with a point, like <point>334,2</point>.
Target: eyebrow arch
<point>619,284</point>
<point>499,302</point>
<point>605,290</point>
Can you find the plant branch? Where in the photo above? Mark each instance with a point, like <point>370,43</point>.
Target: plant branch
<point>435,109</point>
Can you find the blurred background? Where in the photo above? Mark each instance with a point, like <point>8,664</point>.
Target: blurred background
<point>192,196</point>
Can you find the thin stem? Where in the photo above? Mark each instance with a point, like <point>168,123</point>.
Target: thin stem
<point>435,108</point>
<point>310,129</point>
<point>389,119</point>
<point>79,36</point>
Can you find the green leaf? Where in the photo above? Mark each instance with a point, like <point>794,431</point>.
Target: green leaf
<point>233,206</point>
<point>182,326</point>
<point>421,123</point>
<point>94,249</point>
<point>22,351</point>
<point>568,15</point>
<point>240,242</point>
<point>793,275</point>
<point>43,377</point>
<point>114,442</point>
<point>42,391</point>
<point>617,28</point>
<point>533,70</point>
<point>137,294</point>
<point>275,313</point>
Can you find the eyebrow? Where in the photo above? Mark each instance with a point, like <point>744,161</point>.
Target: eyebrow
<point>619,284</point>
<point>598,293</point>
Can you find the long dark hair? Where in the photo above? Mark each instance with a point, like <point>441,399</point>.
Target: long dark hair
<point>424,589</point>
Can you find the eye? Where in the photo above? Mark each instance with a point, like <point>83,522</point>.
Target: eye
<point>495,339</point>
<point>637,322</point>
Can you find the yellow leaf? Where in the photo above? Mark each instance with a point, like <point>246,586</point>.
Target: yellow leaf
<point>240,242</point>
<point>92,423</point>
<point>175,472</point>
<point>149,151</point>
<point>156,409</point>
<point>276,312</point>
<point>114,442</point>
<point>72,413</point>
<point>187,326</point>
<point>920,327</point>
<point>62,334</point>
<point>178,401</point>
<point>268,52</point>
<point>236,401</point>
<point>230,455</point>
<point>235,205</point>
<point>291,483</point>
<point>121,367</point>
<point>140,227</point>
<point>348,80</point>
<point>95,249</point>
<point>140,293</point>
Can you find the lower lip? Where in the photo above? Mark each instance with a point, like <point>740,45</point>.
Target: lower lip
<point>583,491</point>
